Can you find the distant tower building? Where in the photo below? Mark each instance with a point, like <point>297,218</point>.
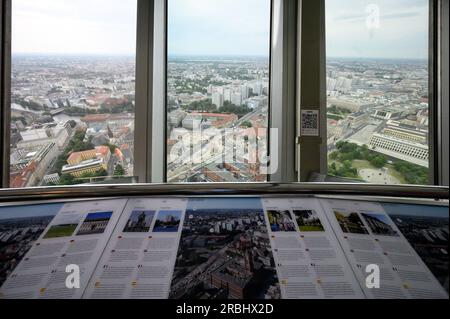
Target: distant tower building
<point>217,99</point>
<point>217,228</point>
<point>227,95</point>
<point>244,92</point>
<point>258,88</point>
<point>236,99</point>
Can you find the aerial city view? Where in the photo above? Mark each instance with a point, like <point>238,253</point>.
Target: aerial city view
<point>72,119</point>
<point>428,232</point>
<point>225,253</point>
<point>377,116</point>
<point>218,118</point>
<point>18,233</point>
<point>73,114</point>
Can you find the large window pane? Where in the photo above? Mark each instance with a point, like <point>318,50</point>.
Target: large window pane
<point>377,87</point>
<point>73,84</point>
<point>217,90</point>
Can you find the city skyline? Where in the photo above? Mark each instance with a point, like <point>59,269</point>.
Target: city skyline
<point>174,56</point>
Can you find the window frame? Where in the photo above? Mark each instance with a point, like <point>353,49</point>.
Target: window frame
<point>433,92</point>
<point>438,118</point>
<point>283,41</point>
<point>311,76</point>
<point>288,43</point>
<point>441,48</point>
<point>5,90</point>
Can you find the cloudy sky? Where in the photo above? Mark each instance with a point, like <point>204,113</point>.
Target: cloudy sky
<point>402,31</point>
<point>74,26</point>
<point>219,27</point>
<point>216,27</point>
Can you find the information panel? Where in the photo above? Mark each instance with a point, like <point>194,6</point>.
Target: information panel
<point>77,235</point>
<point>368,236</point>
<point>223,248</point>
<point>310,262</point>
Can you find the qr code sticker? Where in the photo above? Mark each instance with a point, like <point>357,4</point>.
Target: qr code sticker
<point>310,123</point>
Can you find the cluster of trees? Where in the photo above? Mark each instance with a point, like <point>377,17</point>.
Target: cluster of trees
<point>227,108</point>
<point>123,108</point>
<point>338,110</point>
<point>413,174</point>
<point>208,80</point>
<point>334,117</point>
<point>201,106</point>
<point>198,85</point>
<point>238,74</point>
<point>19,118</point>
<point>78,111</point>
<point>191,86</point>
<point>344,170</point>
<point>119,171</point>
<point>76,144</point>
<point>68,179</point>
<point>247,124</point>
<point>30,105</point>
<point>350,152</point>
<point>72,123</point>
<point>337,113</point>
<point>240,111</point>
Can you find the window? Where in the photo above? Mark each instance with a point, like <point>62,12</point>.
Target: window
<point>216,84</point>
<point>217,90</point>
<point>72,91</point>
<point>377,90</point>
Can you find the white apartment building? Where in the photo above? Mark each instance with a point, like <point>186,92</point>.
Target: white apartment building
<point>217,99</point>
<point>400,146</point>
<point>236,99</point>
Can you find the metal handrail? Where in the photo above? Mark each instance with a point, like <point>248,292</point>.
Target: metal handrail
<point>129,190</point>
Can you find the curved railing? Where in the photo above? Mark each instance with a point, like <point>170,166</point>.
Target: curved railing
<point>95,191</point>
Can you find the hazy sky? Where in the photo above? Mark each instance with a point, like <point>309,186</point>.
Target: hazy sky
<point>29,211</point>
<point>219,27</point>
<point>214,27</point>
<point>74,26</point>
<point>402,31</point>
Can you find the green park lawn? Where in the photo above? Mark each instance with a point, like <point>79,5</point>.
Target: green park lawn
<point>60,231</point>
<point>311,228</point>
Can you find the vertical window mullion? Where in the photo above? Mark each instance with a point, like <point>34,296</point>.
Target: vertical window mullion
<point>158,121</point>
<point>144,92</point>
<point>5,85</point>
<point>442,144</point>
<point>283,88</point>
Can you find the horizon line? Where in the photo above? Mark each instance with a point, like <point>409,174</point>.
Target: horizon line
<point>87,54</point>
